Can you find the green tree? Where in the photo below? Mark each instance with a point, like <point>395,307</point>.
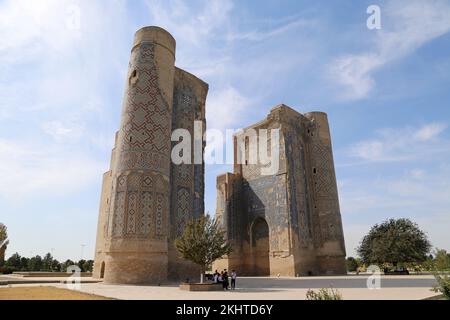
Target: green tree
<point>441,260</point>
<point>14,261</point>
<point>88,265</point>
<point>443,285</point>
<point>352,264</point>
<point>24,264</point>
<point>35,263</point>
<point>67,264</point>
<point>47,262</point>
<point>3,243</point>
<point>56,266</point>
<point>394,241</point>
<point>203,242</point>
<point>80,265</point>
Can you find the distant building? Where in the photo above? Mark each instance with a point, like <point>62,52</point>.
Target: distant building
<point>288,223</point>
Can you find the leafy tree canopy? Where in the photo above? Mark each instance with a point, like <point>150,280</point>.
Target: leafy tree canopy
<point>203,242</point>
<point>352,264</point>
<point>394,241</point>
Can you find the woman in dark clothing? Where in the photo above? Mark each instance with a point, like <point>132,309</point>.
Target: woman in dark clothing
<point>225,281</point>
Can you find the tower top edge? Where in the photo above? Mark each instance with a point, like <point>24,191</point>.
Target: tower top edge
<point>156,34</point>
<point>315,114</point>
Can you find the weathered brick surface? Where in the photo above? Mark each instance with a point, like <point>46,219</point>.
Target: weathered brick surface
<point>288,223</point>
<point>146,200</point>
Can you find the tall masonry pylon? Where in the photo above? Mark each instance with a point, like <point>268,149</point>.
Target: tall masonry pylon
<point>139,202</point>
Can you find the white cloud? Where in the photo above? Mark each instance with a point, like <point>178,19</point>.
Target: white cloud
<point>257,35</point>
<point>417,173</point>
<point>402,144</point>
<point>417,187</point>
<point>430,131</point>
<point>354,73</point>
<point>30,170</point>
<point>52,79</point>
<point>46,64</point>
<point>189,24</point>
<point>64,131</point>
<point>406,26</point>
<point>226,108</point>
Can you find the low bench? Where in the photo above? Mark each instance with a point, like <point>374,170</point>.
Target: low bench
<point>201,286</point>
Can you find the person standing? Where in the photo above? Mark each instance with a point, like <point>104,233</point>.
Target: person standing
<point>225,280</point>
<point>216,277</point>
<point>233,279</point>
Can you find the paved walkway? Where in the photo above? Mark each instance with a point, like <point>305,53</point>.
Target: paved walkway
<point>17,279</point>
<point>351,288</point>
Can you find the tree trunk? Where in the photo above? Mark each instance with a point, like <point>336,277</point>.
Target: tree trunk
<point>202,275</point>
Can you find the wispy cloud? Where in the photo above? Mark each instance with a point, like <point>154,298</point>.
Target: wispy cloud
<point>54,71</point>
<point>430,131</point>
<point>63,131</point>
<point>224,105</point>
<point>402,144</point>
<point>407,25</point>
<point>29,170</point>
<point>190,24</point>
<point>257,35</point>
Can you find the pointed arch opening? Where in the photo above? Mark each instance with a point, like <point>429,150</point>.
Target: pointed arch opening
<point>261,247</point>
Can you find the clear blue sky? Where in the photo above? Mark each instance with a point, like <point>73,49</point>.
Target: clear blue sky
<point>386,92</point>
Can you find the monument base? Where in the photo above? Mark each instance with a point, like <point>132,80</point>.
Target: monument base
<point>201,287</point>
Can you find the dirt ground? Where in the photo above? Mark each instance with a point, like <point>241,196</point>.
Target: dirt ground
<point>45,293</point>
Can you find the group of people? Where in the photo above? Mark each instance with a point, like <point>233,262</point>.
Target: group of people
<point>223,278</point>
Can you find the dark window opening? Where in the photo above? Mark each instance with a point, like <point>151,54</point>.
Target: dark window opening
<point>315,170</point>
<point>133,77</point>
<point>102,270</point>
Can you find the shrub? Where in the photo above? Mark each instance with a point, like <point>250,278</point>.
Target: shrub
<point>7,270</point>
<point>352,264</point>
<point>324,294</point>
<point>443,285</point>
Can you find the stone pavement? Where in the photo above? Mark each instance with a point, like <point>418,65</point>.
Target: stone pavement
<point>351,288</point>
<point>17,279</point>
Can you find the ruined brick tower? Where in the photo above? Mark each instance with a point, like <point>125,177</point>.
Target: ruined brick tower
<point>288,223</point>
<point>146,200</point>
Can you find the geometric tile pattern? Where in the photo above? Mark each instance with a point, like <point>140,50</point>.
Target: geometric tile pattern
<point>143,146</point>
<point>132,212</point>
<point>146,121</point>
<point>160,212</point>
<point>324,184</point>
<point>119,214</point>
<point>147,223</point>
<point>186,179</point>
<point>184,204</point>
<point>299,202</point>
